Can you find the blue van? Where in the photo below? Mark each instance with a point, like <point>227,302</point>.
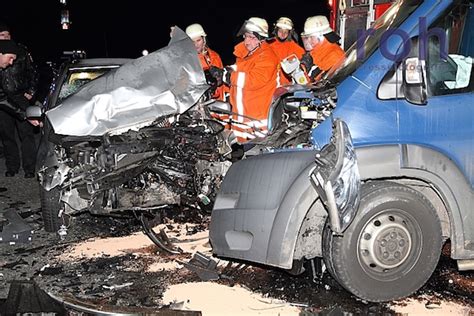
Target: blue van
<point>377,167</point>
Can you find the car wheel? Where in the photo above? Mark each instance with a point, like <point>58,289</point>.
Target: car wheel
<point>391,248</point>
<point>50,206</point>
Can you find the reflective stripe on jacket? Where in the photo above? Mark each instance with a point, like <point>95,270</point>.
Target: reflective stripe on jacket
<point>283,50</point>
<point>252,85</point>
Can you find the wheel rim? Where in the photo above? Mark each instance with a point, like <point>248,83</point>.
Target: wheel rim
<point>388,243</point>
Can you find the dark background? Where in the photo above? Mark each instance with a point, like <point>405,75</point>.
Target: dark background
<point>125,28</point>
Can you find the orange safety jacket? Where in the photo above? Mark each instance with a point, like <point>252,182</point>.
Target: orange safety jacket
<point>326,55</point>
<point>252,85</point>
<point>283,50</point>
<point>210,58</point>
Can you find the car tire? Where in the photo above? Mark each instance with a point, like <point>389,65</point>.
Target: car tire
<point>50,206</point>
<point>390,249</point>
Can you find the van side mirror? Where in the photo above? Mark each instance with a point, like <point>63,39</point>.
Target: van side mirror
<point>407,79</point>
<point>414,81</point>
<point>34,112</point>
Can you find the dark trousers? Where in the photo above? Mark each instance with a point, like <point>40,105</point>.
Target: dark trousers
<point>9,126</point>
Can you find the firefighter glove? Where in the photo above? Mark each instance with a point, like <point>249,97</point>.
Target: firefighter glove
<point>314,72</point>
<point>227,72</point>
<point>218,74</point>
<point>307,61</point>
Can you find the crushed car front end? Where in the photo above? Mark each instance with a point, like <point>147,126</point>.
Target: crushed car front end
<point>138,138</point>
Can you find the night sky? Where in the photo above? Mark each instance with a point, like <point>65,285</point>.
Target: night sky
<point>125,28</point>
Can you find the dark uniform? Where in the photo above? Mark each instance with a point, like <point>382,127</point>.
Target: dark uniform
<point>16,80</point>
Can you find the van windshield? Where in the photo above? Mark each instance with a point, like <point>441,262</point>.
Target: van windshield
<point>391,19</point>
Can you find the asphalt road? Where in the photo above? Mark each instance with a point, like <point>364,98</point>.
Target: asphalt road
<point>125,281</point>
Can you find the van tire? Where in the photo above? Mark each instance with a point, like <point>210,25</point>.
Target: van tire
<point>50,206</point>
<point>392,246</point>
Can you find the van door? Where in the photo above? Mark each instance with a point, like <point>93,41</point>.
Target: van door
<point>446,122</point>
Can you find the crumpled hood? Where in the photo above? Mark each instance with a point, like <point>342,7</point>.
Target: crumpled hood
<point>167,81</point>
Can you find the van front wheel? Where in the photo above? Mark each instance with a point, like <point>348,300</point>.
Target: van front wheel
<point>391,248</point>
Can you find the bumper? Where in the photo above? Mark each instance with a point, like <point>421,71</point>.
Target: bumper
<point>260,207</point>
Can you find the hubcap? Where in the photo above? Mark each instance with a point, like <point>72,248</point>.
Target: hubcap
<point>385,242</point>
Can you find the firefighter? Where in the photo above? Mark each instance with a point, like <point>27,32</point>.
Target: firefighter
<point>285,44</point>
<point>322,48</point>
<point>252,80</point>
<point>208,57</point>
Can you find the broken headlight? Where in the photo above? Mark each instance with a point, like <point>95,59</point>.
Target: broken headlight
<point>336,177</point>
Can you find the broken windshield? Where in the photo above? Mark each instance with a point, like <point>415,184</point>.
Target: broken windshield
<point>78,78</point>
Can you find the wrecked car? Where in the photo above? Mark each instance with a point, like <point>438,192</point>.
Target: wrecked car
<point>136,139</point>
<point>376,166</point>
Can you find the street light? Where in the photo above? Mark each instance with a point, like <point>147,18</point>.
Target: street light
<point>65,22</point>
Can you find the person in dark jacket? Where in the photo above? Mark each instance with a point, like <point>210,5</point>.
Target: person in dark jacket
<point>8,53</point>
<point>18,84</point>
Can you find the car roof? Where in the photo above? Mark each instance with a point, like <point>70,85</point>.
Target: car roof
<point>91,62</point>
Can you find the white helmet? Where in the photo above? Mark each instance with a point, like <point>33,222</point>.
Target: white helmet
<point>257,25</point>
<point>316,25</point>
<point>284,23</point>
<point>195,31</point>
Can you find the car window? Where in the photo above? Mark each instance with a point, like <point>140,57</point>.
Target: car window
<point>453,74</point>
<point>77,79</point>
